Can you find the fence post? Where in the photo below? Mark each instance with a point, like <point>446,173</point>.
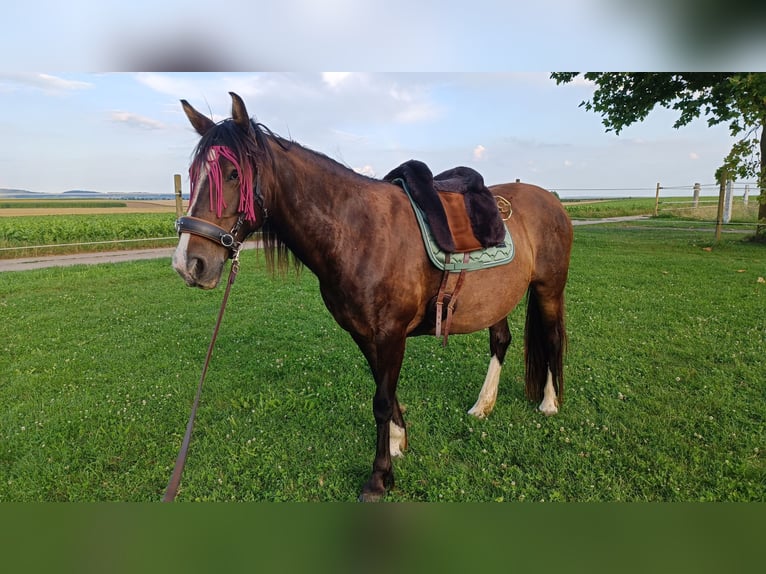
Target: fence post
<point>696,196</point>
<point>179,201</point>
<point>721,193</point>
<point>657,200</point>
<point>746,195</point>
<point>728,198</point>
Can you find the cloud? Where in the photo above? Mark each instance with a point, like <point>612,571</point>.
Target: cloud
<point>44,82</point>
<point>694,156</point>
<point>367,170</point>
<point>166,84</point>
<point>479,152</point>
<point>334,79</point>
<point>412,104</point>
<point>136,120</point>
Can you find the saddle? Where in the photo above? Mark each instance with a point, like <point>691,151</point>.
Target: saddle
<point>461,216</point>
<point>461,212</point>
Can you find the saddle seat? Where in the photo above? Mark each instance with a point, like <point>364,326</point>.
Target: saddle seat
<point>460,210</point>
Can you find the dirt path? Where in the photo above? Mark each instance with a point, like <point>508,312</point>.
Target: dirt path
<point>131,206</point>
<point>27,263</point>
<point>609,220</point>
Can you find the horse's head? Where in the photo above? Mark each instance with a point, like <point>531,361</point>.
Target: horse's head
<point>225,204</point>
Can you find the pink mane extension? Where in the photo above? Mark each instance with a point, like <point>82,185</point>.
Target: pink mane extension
<point>215,185</point>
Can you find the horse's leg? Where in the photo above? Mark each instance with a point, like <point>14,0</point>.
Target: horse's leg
<point>499,339</point>
<point>385,359</point>
<point>550,404</point>
<point>397,431</point>
<point>545,343</point>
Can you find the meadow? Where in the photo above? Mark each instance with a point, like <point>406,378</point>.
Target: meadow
<point>664,399</point>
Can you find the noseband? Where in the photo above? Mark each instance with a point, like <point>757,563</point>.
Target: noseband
<point>211,231</point>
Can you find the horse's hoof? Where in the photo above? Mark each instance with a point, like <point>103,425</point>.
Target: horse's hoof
<point>548,409</point>
<point>478,412</point>
<point>377,487</point>
<point>370,497</point>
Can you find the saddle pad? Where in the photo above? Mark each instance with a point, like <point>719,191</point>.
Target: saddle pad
<point>478,259</point>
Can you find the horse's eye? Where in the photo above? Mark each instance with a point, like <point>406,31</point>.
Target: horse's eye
<point>233,175</point>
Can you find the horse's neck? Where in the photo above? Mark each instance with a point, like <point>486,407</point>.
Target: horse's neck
<point>315,205</point>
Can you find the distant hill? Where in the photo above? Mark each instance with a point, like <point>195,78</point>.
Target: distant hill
<point>81,193</point>
<point>17,193</point>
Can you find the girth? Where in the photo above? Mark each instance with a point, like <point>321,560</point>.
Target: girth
<point>451,299</point>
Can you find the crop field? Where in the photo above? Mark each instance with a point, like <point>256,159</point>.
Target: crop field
<point>664,400</point>
<point>42,207</point>
<point>26,236</point>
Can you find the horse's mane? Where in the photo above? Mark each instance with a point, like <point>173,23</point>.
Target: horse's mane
<point>252,149</point>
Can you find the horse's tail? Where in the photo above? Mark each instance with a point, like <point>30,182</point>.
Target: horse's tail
<point>545,342</point>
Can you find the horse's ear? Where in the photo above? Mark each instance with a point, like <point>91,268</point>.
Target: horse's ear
<point>239,112</point>
<point>202,124</point>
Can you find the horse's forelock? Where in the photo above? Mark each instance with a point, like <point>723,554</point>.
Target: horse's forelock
<point>238,148</point>
<point>250,150</point>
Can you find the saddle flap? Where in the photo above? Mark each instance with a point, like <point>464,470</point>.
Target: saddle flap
<point>458,221</point>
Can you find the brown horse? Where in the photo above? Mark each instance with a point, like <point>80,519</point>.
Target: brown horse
<point>360,237</point>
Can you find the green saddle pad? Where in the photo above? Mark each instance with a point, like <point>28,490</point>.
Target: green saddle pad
<point>479,259</point>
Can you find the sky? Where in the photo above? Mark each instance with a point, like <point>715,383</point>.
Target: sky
<point>126,132</point>
<point>472,86</point>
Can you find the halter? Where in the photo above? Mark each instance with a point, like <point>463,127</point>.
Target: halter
<point>219,235</point>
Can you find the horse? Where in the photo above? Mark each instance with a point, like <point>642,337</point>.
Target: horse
<point>359,236</point>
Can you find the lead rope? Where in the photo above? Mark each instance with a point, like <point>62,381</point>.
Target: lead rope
<point>175,478</point>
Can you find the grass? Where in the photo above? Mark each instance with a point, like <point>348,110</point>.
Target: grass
<point>609,208</point>
<point>707,210</point>
<point>673,208</point>
<point>665,396</point>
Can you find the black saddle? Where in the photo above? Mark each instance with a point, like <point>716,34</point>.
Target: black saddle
<point>461,211</point>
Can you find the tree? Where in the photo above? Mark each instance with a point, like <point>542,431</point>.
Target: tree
<point>738,99</point>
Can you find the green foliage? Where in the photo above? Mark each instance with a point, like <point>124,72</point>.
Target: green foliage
<point>738,99</point>
<point>98,366</point>
<point>625,98</point>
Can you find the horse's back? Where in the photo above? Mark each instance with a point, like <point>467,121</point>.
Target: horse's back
<point>535,205</point>
<point>542,221</point>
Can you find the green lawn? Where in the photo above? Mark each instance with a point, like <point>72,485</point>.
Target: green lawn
<point>664,402</point>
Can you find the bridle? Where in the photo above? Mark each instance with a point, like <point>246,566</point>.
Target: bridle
<point>219,235</point>
<point>227,239</point>
<point>211,231</point>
